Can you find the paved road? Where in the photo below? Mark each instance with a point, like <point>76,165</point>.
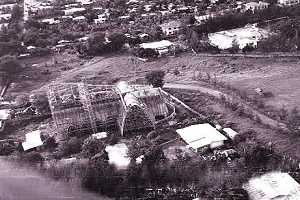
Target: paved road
<point>265,119</point>
<point>18,183</point>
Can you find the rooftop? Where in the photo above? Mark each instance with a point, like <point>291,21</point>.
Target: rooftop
<point>200,135</point>
<point>157,45</point>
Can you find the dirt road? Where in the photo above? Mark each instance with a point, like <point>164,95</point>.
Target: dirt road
<point>265,119</point>
<point>18,183</point>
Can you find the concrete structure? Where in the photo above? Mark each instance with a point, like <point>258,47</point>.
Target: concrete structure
<point>273,186</point>
<point>171,28</point>
<point>288,2</point>
<point>250,34</point>
<point>201,135</point>
<point>162,47</point>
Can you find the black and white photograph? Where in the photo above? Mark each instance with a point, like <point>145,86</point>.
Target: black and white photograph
<point>149,99</point>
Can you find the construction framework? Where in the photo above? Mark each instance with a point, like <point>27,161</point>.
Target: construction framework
<point>80,107</point>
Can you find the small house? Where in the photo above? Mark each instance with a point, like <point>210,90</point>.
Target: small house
<point>202,135</point>
<point>171,28</point>
<point>253,6</point>
<point>162,47</point>
<point>288,2</point>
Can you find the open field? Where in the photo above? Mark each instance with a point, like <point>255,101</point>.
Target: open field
<point>278,76</point>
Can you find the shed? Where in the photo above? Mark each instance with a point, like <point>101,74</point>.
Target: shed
<point>201,135</point>
<point>230,133</point>
<point>161,47</point>
<point>33,139</point>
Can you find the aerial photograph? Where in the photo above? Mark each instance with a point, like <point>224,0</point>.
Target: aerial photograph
<point>149,99</point>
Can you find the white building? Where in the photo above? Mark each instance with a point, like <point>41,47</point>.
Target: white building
<point>250,35</point>
<point>33,140</point>
<point>4,25</point>
<point>34,6</point>
<point>5,17</point>
<point>7,6</point>
<point>171,28</point>
<point>101,19</point>
<point>204,18</point>
<point>253,6</point>
<point>72,11</point>
<point>162,47</point>
<point>79,18</point>
<point>201,135</point>
<point>288,2</point>
<point>117,155</point>
<point>50,21</point>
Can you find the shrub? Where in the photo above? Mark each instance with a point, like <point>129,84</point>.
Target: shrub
<point>91,146</point>
<point>100,177</point>
<point>50,143</point>
<point>32,157</point>
<point>146,53</point>
<point>6,148</point>
<point>156,78</point>
<point>69,147</point>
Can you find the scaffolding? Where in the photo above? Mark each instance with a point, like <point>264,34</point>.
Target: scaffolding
<point>78,107</point>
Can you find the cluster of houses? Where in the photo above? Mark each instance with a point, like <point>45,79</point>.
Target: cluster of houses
<point>167,15</point>
<point>5,12</point>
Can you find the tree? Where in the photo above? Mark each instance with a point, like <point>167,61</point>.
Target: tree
<point>40,103</point>
<point>10,67</point>
<point>248,48</point>
<point>156,78</point>
<point>117,41</point>
<point>16,13</point>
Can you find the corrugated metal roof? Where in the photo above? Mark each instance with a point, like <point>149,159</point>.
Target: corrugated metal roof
<point>273,185</point>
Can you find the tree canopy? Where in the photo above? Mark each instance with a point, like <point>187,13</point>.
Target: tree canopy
<point>156,78</point>
<point>10,66</point>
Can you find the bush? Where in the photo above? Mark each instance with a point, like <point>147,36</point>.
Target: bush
<point>91,146</point>
<point>32,157</point>
<point>146,53</point>
<point>6,148</point>
<point>69,147</point>
<point>101,177</point>
<point>50,143</point>
<point>156,78</point>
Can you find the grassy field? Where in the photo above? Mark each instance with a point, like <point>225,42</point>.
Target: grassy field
<point>278,76</point>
